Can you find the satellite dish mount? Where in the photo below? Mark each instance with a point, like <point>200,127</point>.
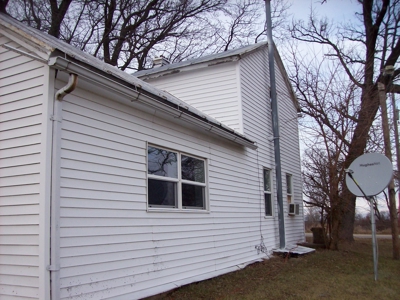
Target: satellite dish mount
<point>369,175</point>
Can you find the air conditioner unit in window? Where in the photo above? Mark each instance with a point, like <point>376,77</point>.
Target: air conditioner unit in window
<point>294,209</point>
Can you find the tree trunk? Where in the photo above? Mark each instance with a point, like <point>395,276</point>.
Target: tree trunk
<point>393,221</point>
<point>369,108</point>
<point>3,5</point>
<point>57,16</point>
<point>348,208</point>
<point>334,244</point>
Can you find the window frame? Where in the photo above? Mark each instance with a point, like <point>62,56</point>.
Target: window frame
<point>289,188</point>
<point>179,182</point>
<point>266,192</point>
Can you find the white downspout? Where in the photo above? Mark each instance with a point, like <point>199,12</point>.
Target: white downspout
<point>54,266</point>
<point>73,80</point>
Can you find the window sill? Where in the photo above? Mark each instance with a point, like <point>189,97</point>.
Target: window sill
<point>176,210</point>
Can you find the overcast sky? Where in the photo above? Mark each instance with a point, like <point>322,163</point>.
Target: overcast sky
<point>339,10</point>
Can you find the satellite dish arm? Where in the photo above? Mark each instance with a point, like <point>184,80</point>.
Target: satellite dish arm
<point>350,173</point>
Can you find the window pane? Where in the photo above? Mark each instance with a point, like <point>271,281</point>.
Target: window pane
<point>268,204</point>
<point>162,162</point>
<point>288,183</point>
<point>267,180</point>
<point>192,196</point>
<point>192,169</point>
<point>162,193</point>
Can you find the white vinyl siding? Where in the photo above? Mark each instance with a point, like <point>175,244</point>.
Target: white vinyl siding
<point>258,126</point>
<point>110,245</point>
<point>214,91</point>
<point>21,97</point>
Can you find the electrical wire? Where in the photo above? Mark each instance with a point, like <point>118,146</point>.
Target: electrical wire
<point>261,248</point>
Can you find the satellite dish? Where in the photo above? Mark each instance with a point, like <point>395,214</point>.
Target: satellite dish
<point>372,172</point>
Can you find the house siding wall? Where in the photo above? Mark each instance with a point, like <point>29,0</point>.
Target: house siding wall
<point>21,99</point>
<point>110,246</point>
<point>254,80</point>
<point>257,122</point>
<point>216,92</point>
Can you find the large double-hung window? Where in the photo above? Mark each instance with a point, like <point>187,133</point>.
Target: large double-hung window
<point>175,180</point>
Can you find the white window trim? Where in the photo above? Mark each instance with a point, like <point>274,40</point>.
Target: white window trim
<point>179,182</point>
<point>268,192</point>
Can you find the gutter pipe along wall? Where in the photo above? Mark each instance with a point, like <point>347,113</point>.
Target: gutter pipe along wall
<point>275,126</point>
<point>54,266</point>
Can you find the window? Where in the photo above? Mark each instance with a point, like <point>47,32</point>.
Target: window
<point>175,180</point>
<point>267,192</point>
<point>289,188</point>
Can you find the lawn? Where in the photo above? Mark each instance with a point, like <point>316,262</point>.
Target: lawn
<point>344,274</point>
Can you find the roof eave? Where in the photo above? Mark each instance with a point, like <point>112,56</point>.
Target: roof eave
<point>142,94</point>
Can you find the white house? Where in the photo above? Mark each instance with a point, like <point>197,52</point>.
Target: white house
<point>114,189</point>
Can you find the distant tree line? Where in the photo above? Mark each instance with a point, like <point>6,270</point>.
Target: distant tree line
<point>362,222</point>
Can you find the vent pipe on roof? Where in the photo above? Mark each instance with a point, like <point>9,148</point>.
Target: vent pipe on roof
<point>160,61</point>
<point>275,126</point>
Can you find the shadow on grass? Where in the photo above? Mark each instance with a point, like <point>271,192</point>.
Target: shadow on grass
<point>343,274</point>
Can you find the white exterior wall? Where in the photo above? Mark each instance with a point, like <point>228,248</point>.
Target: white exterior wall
<point>216,92</point>
<point>22,188</point>
<point>111,247</point>
<point>258,126</point>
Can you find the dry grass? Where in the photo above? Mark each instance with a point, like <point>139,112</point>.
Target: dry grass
<point>344,274</point>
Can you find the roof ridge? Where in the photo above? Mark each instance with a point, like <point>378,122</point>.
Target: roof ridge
<point>202,59</point>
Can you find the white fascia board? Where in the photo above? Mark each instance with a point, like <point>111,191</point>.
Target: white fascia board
<point>31,43</point>
<point>144,95</point>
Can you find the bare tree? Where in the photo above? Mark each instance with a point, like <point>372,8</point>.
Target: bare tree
<point>362,48</point>
<point>128,33</point>
<point>329,104</point>
<point>45,15</point>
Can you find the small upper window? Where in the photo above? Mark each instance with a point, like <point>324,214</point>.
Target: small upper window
<point>267,192</point>
<point>289,187</point>
<point>175,180</point>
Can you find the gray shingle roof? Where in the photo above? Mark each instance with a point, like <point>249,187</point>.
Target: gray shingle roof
<point>204,59</point>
